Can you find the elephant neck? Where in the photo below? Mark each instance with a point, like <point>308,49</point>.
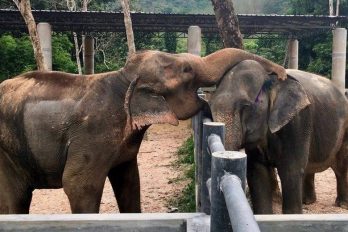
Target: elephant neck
<point>117,81</point>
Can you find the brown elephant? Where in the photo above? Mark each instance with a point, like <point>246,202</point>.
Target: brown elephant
<point>299,126</point>
<point>69,131</point>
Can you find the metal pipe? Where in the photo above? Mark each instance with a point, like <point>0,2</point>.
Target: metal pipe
<point>241,215</point>
<point>215,144</point>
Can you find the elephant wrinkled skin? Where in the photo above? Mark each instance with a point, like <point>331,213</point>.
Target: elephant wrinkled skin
<point>60,130</point>
<point>298,126</point>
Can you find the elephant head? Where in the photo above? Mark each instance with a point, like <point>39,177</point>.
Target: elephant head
<point>253,103</point>
<point>163,86</point>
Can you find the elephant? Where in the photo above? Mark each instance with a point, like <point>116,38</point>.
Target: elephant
<point>298,126</point>
<point>61,130</point>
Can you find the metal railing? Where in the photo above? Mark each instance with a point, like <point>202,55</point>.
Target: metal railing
<point>220,179</point>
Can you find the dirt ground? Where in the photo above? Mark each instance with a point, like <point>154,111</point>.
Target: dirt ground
<point>157,173</point>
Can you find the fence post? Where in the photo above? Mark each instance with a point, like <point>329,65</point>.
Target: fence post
<point>208,129</point>
<point>222,162</point>
<point>45,35</point>
<point>293,54</point>
<point>194,40</point>
<point>197,126</point>
<point>339,46</point>
<point>197,139</point>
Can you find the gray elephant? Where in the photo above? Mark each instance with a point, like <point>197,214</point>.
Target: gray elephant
<point>60,130</point>
<point>298,126</point>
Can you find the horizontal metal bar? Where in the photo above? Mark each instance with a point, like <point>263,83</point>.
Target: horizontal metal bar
<point>241,215</point>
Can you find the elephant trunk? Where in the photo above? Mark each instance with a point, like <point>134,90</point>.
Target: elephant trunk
<point>234,133</point>
<point>215,65</point>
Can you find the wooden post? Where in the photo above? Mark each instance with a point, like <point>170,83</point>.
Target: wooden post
<point>89,54</point>
<point>208,129</point>
<point>222,162</point>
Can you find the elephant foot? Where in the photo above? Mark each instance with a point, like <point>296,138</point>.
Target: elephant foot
<point>310,199</point>
<point>341,203</point>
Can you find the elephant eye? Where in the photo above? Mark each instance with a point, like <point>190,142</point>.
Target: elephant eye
<point>187,68</point>
<point>244,105</point>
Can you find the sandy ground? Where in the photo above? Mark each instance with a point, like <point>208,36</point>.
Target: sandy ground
<point>157,172</point>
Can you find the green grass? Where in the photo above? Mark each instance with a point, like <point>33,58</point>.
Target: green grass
<point>185,202</point>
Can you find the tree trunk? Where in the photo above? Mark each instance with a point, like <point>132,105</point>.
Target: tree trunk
<point>227,22</point>
<point>77,53</point>
<point>129,28</point>
<point>331,8</point>
<point>25,9</point>
<point>84,9</point>
<point>337,7</point>
<point>71,4</point>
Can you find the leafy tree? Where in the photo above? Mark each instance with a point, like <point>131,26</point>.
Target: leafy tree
<point>61,52</point>
<point>17,56</point>
<point>170,41</point>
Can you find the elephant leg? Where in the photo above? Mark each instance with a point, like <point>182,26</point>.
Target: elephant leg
<point>309,195</point>
<point>15,193</point>
<point>126,185</point>
<point>84,187</point>
<point>260,186</point>
<point>84,196</point>
<point>340,169</point>
<point>15,203</point>
<point>291,181</point>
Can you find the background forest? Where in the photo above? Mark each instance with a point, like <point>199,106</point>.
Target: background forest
<point>16,54</point>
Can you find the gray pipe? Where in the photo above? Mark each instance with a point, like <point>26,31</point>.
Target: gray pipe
<point>241,215</point>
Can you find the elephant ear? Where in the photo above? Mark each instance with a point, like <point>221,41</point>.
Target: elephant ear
<point>144,107</point>
<point>288,98</point>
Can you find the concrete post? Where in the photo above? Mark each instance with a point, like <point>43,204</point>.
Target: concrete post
<point>197,126</point>
<point>194,40</point>
<point>222,162</point>
<point>339,58</point>
<point>45,35</point>
<point>293,54</point>
<point>209,128</point>
<point>89,54</point>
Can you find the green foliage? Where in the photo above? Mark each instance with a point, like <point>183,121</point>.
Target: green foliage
<point>111,51</point>
<point>321,54</point>
<point>16,56</point>
<point>175,6</point>
<point>271,49</point>
<point>185,152</point>
<point>186,201</point>
<point>61,54</point>
<point>211,45</point>
<point>170,41</point>
<point>301,7</point>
